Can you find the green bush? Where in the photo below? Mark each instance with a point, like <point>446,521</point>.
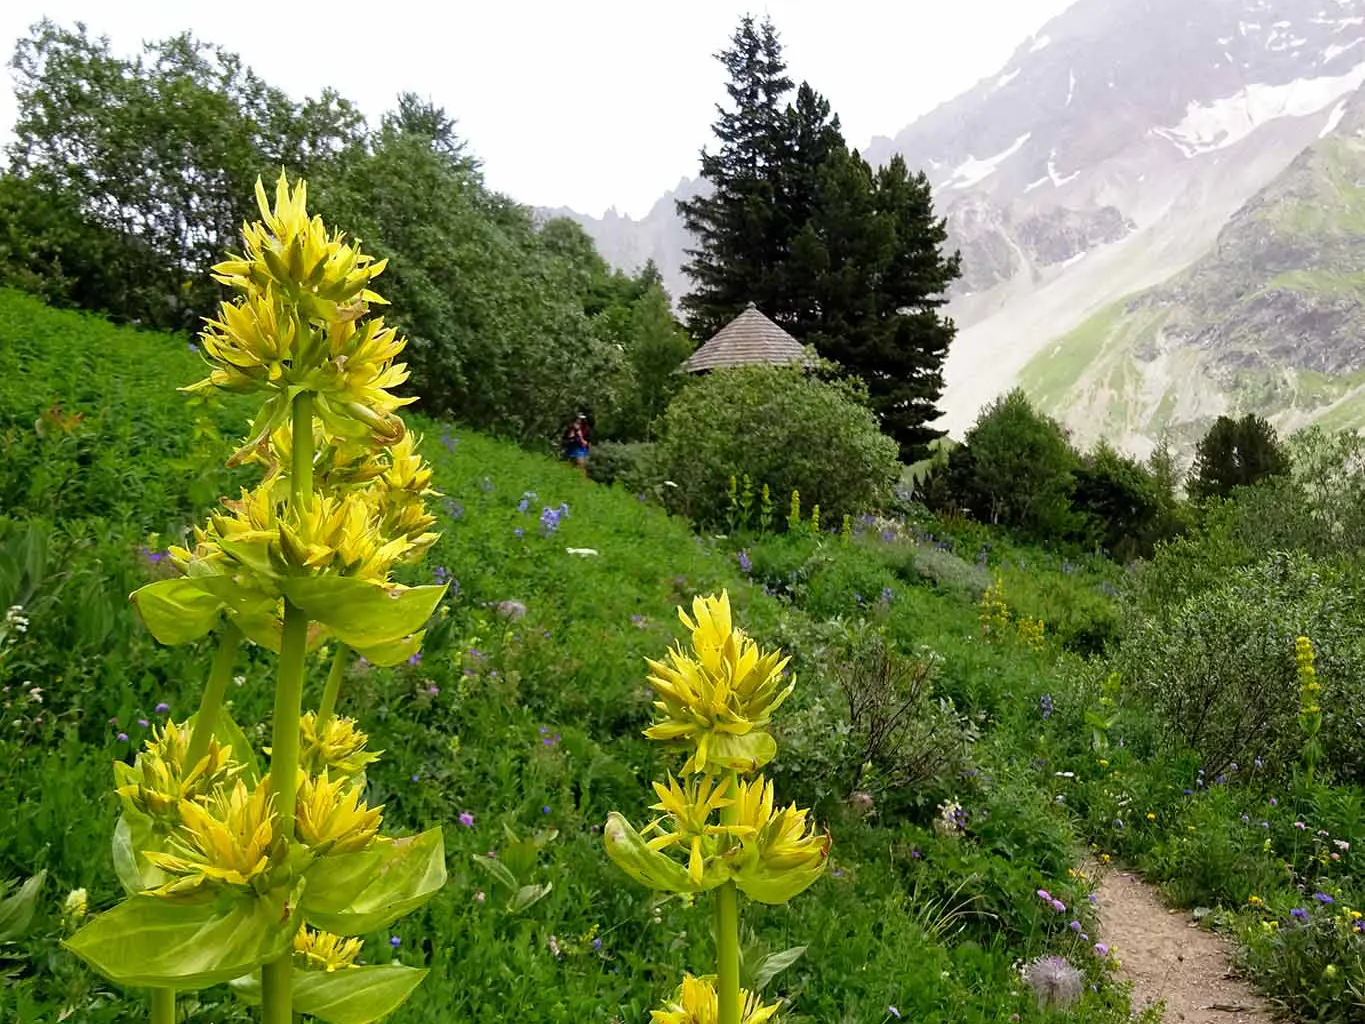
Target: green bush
<point>629,464</point>
<point>1015,468</point>
<point>782,428</point>
<point>1219,667</point>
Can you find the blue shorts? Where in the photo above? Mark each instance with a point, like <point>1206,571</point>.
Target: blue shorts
<point>575,454</point>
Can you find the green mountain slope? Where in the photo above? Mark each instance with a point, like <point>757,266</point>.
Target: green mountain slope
<point>1268,321</point>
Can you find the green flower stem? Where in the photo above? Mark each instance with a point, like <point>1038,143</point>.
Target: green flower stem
<point>277,979</point>
<point>212,702</point>
<point>301,472</point>
<point>163,1006</point>
<point>327,706</point>
<point>727,931</point>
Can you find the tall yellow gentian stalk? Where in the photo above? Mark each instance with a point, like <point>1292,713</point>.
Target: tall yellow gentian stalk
<point>225,864</point>
<point>719,829</point>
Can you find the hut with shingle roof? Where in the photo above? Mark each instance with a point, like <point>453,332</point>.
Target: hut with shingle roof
<point>750,339</point>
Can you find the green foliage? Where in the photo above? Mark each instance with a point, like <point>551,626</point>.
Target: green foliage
<point>1236,453</point>
<point>1121,502</point>
<point>846,258</point>
<point>1015,468</point>
<point>156,156</point>
<point>1219,667</point>
<point>775,425</point>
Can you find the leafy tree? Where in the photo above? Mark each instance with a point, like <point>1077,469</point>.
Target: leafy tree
<point>161,153</point>
<point>1119,501</point>
<point>1016,468</point>
<point>1236,453</point>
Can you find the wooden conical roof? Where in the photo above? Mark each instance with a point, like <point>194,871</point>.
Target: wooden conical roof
<point>750,339</point>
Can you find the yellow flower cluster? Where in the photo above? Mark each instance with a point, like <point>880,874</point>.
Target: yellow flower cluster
<point>160,779</point>
<point>338,747</point>
<point>696,1002</point>
<point>323,951</point>
<point>295,325</point>
<point>718,699</point>
<point>993,612</point>
<point>231,839</point>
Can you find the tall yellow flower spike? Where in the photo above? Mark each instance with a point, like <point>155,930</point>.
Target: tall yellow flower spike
<point>720,698</point>
<point>780,855</point>
<point>696,1002</point>
<point>294,326</point>
<point>230,840</point>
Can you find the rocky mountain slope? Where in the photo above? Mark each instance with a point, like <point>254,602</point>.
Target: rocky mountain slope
<point>1131,150</point>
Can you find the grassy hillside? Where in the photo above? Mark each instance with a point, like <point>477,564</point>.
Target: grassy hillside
<point>532,724</point>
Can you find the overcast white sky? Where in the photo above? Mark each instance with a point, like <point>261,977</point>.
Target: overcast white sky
<point>591,104</point>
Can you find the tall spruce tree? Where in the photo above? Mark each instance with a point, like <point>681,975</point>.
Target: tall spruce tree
<point>742,235</point>
<point>844,257</point>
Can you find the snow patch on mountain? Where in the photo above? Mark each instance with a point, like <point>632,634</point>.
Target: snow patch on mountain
<point>1071,88</point>
<point>1057,180</point>
<point>1006,79</point>
<point>1040,43</point>
<point>1333,119</point>
<point>973,171</point>
<point>1226,121</point>
<point>1335,50</point>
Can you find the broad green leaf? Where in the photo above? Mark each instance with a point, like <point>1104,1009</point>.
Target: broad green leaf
<point>353,995</point>
<point>528,895</point>
<point>395,652</point>
<point>257,615</point>
<point>652,869</point>
<point>177,611</point>
<point>16,910</point>
<point>149,942</point>
<point>352,893</point>
<point>774,964</point>
<point>362,613</point>
<point>134,835</point>
<point>777,886</point>
<point>497,869</point>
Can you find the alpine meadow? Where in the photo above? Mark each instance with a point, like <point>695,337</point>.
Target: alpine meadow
<point>411,609</point>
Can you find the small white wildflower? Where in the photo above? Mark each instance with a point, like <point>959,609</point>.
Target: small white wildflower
<point>554,947</point>
<point>585,552</point>
<point>36,694</point>
<point>239,680</point>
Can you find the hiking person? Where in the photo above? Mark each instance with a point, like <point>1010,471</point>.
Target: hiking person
<point>576,442</point>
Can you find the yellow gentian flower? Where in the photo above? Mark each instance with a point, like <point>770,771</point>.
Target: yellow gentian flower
<point>331,816</point>
<point>316,950</point>
<point>338,748</point>
<point>696,1002</point>
<point>719,698</point>
<point>229,839</point>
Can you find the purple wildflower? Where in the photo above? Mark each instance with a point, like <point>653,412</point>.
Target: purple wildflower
<point>1059,906</point>
<point>1045,704</point>
<point>122,737</point>
<point>549,521</point>
<point>416,658</point>
<point>395,941</point>
<point>745,562</point>
<point>518,532</point>
<point>162,708</point>
<point>440,574</point>
<point>1299,913</point>
<point>1322,897</point>
<point>466,819</point>
<point>597,944</point>
<point>142,722</point>
<point>1075,926</point>
<point>1101,949</point>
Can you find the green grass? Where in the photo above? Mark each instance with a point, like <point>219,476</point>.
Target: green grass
<point>531,725</point>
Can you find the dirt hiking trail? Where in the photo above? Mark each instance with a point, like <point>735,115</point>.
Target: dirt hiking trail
<point>1169,957</point>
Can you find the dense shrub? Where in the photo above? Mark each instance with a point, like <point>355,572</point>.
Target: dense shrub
<point>630,464</point>
<point>1219,667</point>
<point>1016,469</point>
<point>782,428</point>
